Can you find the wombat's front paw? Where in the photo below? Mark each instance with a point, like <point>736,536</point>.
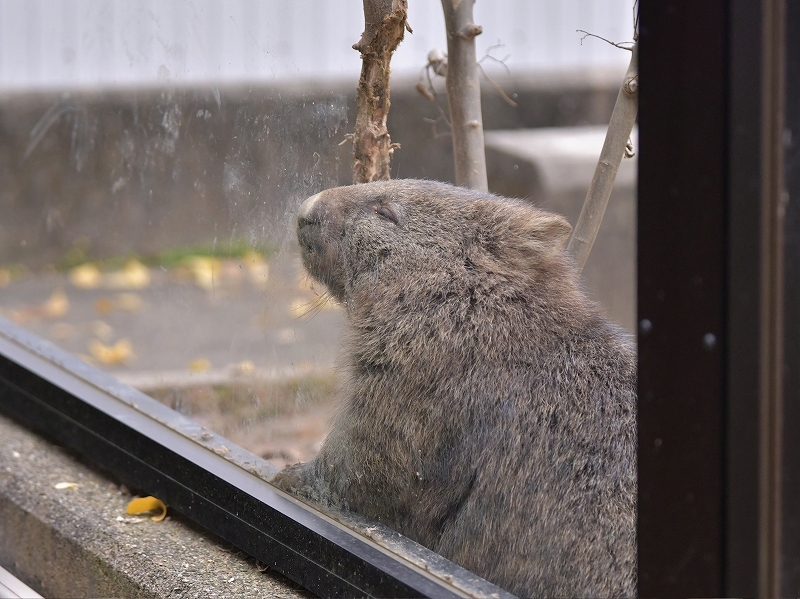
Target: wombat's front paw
<point>291,479</point>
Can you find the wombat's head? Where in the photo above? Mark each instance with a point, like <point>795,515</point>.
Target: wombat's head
<point>387,230</point>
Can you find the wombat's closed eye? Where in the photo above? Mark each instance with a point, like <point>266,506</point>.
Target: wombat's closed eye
<point>387,212</point>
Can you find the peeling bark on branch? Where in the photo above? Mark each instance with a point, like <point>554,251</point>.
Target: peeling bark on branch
<point>384,27</point>
<point>619,131</point>
<point>464,94</point>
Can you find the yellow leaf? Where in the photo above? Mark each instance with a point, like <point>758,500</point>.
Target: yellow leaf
<point>244,367</point>
<point>103,304</point>
<point>66,485</point>
<point>57,306</point>
<point>102,330</point>
<point>134,275</point>
<point>85,276</point>
<point>199,365</point>
<point>129,302</point>
<point>5,277</point>
<point>120,352</point>
<point>144,505</point>
<point>205,271</point>
<point>251,257</point>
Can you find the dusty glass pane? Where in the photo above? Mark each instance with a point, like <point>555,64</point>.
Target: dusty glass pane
<point>153,156</point>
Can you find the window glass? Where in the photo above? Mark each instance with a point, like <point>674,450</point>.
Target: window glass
<point>153,156</point>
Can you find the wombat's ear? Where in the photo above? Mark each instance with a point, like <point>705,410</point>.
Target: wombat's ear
<point>546,229</point>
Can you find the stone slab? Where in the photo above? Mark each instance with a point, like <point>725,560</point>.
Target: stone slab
<point>79,542</point>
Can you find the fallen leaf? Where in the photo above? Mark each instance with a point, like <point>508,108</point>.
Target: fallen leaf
<point>85,276</point>
<point>222,450</point>
<point>118,353</point>
<point>5,277</point>
<point>102,330</point>
<point>205,271</point>
<point>134,275</point>
<point>244,367</point>
<point>66,485</point>
<point>144,505</point>
<point>130,302</point>
<point>103,304</point>
<point>251,257</point>
<point>57,306</point>
<point>199,365</point>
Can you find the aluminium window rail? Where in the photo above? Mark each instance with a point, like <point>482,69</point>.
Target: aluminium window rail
<point>207,479</point>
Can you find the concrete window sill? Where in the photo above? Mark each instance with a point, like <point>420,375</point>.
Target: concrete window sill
<point>78,542</point>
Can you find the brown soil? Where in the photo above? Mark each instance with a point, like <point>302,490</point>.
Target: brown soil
<point>283,421</point>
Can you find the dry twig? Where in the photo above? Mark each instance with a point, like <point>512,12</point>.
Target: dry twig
<point>615,44</point>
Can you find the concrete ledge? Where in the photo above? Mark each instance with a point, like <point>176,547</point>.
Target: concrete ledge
<point>78,542</point>
<point>553,167</point>
<point>564,158</point>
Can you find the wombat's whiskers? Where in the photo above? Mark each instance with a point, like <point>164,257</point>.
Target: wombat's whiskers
<point>316,306</point>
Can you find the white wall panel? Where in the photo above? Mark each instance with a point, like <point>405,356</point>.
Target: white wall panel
<point>78,43</point>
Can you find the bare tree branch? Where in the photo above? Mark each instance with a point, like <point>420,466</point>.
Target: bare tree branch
<point>615,44</point>
<point>384,26</point>
<point>619,130</point>
<point>497,88</point>
<point>464,94</point>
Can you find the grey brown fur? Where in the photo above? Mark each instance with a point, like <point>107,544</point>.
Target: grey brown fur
<point>489,408</point>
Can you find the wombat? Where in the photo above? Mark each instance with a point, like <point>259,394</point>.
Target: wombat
<point>489,408</point>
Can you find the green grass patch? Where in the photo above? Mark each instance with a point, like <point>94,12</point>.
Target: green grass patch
<point>170,258</point>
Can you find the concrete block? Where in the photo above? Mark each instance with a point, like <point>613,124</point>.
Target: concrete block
<point>78,542</point>
<point>553,167</point>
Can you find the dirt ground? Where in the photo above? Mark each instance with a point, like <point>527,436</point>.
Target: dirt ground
<point>244,346</point>
<point>283,421</point>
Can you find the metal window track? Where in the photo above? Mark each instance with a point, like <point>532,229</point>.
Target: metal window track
<point>12,587</point>
<point>149,446</point>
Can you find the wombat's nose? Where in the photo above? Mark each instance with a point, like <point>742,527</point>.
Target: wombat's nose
<point>304,214</point>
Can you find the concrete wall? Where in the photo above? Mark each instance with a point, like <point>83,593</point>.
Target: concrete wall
<point>139,171</point>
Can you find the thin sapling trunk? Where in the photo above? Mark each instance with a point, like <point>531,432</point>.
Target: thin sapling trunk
<point>464,94</point>
<point>384,27</point>
<point>619,131</point>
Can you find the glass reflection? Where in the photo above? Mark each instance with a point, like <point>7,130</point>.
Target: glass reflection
<point>153,155</point>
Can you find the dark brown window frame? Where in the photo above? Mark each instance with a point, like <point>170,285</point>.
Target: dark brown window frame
<point>719,275</point>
